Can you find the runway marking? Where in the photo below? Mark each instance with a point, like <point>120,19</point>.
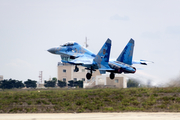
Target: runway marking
<point>92,116</point>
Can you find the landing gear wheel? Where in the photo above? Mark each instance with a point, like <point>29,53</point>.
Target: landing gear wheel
<point>112,75</point>
<point>88,76</point>
<point>76,69</point>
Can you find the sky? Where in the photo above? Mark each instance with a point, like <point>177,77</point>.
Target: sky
<point>29,27</point>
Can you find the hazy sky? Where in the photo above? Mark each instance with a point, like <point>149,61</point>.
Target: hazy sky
<point>29,27</point>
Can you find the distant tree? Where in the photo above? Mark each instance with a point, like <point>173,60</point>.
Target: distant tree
<point>54,78</point>
<point>71,83</point>
<point>9,84</point>
<point>132,83</point>
<point>19,84</point>
<point>51,83</point>
<point>78,83</point>
<point>30,83</point>
<point>6,84</point>
<point>61,83</point>
<point>75,83</point>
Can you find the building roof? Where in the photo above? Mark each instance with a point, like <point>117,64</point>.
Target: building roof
<point>1,77</point>
<point>64,64</point>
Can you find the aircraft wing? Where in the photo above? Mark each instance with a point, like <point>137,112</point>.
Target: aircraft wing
<point>142,62</point>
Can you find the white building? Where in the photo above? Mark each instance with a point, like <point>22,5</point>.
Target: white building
<point>120,81</point>
<point>66,73</point>
<point>1,77</point>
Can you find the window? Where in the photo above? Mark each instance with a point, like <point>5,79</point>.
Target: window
<point>64,79</point>
<point>64,70</point>
<point>75,79</point>
<point>93,78</point>
<point>83,79</point>
<point>116,81</point>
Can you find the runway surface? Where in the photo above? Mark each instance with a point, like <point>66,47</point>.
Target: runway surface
<point>92,116</point>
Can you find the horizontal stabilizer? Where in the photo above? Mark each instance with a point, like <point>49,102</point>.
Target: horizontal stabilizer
<point>142,62</point>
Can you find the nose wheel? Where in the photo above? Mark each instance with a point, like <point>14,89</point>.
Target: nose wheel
<point>76,69</point>
<point>112,75</point>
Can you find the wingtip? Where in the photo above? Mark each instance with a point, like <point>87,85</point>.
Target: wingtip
<point>108,41</point>
<point>131,41</point>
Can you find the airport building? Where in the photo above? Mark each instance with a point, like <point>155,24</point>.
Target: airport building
<point>66,73</point>
<point>103,81</point>
<point>1,77</point>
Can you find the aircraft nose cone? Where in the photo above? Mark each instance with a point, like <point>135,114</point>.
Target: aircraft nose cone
<point>52,50</point>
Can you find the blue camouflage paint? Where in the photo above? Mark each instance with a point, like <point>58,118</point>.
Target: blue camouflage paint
<point>84,57</point>
<point>75,50</point>
<point>127,53</point>
<point>102,58</point>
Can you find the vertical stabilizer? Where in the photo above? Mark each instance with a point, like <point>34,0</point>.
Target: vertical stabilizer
<point>102,58</point>
<point>127,53</point>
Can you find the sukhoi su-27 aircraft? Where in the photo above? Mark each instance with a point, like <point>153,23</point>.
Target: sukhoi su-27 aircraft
<point>73,53</point>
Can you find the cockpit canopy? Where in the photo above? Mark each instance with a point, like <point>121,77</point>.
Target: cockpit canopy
<point>71,43</point>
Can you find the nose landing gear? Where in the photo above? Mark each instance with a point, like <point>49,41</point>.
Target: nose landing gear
<point>88,75</point>
<point>76,69</point>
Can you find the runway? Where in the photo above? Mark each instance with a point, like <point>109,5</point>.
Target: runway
<point>92,116</point>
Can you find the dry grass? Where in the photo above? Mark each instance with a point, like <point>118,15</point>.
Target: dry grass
<point>90,100</point>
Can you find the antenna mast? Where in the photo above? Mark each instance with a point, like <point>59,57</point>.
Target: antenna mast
<point>40,77</point>
<point>86,45</point>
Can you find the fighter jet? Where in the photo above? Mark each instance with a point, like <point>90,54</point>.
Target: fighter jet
<point>75,54</point>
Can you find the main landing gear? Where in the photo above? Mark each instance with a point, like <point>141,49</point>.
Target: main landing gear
<point>76,69</point>
<point>112,75</point>
<point>88,75</point>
